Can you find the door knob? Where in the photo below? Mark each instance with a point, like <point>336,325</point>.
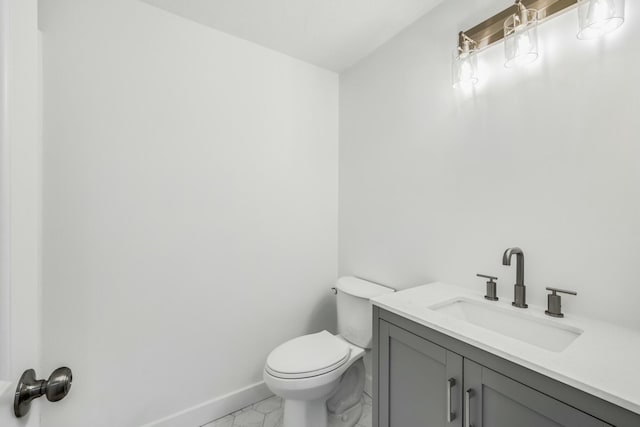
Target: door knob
<point>29,388</point>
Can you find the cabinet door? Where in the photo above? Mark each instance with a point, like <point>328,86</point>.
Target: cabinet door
<point>420,383</point>
<point>493,400</point>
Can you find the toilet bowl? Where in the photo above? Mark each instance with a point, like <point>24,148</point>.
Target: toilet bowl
<point>306,387</point>
<point>321,376</point>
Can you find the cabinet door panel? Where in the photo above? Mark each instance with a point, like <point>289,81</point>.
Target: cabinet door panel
<point>414,381</point>
<point>498,401</point>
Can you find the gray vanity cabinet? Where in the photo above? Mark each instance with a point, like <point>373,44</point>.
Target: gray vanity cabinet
<point>495,400</point>
<point>424,378</point>
<point>420,382</point>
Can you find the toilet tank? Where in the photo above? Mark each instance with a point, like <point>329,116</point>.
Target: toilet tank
<point>355,316</point>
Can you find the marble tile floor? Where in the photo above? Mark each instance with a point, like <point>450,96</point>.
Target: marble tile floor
<point>268,413</point>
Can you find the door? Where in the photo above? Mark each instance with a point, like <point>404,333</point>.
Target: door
<point>420,383</point>
<point>493,400</point>
<point>19,202</point>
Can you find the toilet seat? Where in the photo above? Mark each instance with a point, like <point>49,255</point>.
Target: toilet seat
<point>308,356</point>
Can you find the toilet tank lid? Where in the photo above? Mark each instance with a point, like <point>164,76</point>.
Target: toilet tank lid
<point>361,288</point>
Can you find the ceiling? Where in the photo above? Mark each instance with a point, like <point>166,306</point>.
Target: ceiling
<point>332,34</point>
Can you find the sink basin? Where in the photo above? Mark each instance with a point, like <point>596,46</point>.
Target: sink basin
<point>543,333</point>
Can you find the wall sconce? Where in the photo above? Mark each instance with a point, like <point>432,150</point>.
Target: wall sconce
<point>518,27</point>
<point>464,67</point>
<point>599,17</point>
<point>521,37</point>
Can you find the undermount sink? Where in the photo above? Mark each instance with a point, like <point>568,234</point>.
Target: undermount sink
<point>543,333</point>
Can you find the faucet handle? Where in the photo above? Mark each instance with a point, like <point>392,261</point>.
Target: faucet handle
<point>491,287</point>
<point>562,291</point>
<point>554,301</point>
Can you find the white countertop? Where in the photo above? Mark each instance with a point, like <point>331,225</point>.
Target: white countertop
<point>603,361</point>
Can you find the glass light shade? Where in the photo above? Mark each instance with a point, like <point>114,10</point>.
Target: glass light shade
<point>521,38</point>
<point>599,17</point>
<point>464,69</point>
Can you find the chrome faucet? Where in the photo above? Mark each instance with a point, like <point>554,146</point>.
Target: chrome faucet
<point>519,290</point>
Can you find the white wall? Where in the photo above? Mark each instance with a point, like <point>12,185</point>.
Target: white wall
<point>190,208</point>
<point>20,178</point>
<point>435,184</point>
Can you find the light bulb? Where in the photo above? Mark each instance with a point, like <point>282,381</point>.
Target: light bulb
<point>600,12</point>
<point>464,67</point>
<point>599,17</point>
<point>523,44</point>
<point>521,38</point>
<point>525,52</point>
<point>466,70</point>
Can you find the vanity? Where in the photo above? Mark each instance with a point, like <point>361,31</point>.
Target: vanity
<point>445,355</point>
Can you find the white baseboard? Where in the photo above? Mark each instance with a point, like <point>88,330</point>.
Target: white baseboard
<point>215,408</point>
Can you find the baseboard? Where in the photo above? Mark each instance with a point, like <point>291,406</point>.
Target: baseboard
<point>215,408</point>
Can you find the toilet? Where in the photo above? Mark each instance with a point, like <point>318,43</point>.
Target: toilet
<point>321,376</point>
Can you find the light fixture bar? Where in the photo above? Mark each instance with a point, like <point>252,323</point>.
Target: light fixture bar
<point>492,30</point>
<point>465,43</point>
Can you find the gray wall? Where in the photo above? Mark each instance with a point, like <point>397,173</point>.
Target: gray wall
<point>436,183</point>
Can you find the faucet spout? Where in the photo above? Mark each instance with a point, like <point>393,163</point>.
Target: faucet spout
<point>519,299</point>
<point>506,260</point>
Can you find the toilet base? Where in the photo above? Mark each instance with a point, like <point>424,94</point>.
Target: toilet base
<point>313,412</point>
<point>326,400</point>
<point>348,418</point>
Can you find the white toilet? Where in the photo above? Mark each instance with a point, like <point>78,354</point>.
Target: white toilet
<point>321,376</point>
